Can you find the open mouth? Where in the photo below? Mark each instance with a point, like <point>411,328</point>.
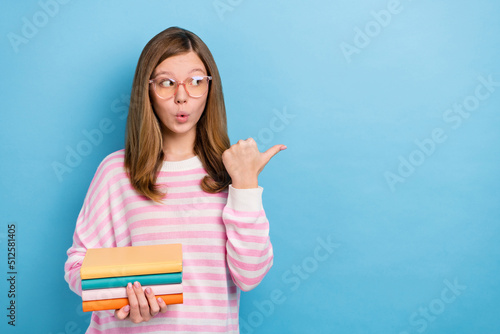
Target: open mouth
<point>182,117</point>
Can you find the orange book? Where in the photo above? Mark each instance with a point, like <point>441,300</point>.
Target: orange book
<point>114,304</point>
<point>131,260</point>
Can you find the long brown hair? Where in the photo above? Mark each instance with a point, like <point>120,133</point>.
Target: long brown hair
<point>143,141</point>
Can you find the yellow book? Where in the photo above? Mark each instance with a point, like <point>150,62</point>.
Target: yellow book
<point>132,260</point>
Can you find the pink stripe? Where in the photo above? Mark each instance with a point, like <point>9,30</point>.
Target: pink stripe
<point>246,238</point>
<point>208,289</point>
<point>165,327</point>
<point>178,184</point>
<point>194,194</point>
<point>187,315</point>
<point>203,249</point>
<point>179,235</point>
<point>77,243</point>
<point>200,315</point>
<point>203,263</point>
<point>115,159</point>
<point>108,238</point>
<point>96,212</point>
<point>103,240</point>
<point>249,252</point>
<point>173,207</point>
<point>77,259</point>
<point>169,195</point>
<point>74,282</point>
<point>248,281</point>
<point>210,302</point>
<point>123,239</point>
<point>241,214</point>
<point>172,221</point>
<point>123,202</point>
<point>250,266</point>
<point>204,276</point>
<point>264,225</point>
<point>106,170</point>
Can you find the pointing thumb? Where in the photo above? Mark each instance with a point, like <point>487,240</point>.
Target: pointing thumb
<point>271,152</point>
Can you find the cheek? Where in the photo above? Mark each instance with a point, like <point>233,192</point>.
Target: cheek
<point>160,106</point>
<point>153,101</point>
<point>202,104</point>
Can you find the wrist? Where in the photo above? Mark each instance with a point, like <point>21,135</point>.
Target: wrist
<point>245,184</point>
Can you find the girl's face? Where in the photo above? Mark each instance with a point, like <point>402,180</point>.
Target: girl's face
<point>180,113</point>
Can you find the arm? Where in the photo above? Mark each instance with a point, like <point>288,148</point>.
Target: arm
<point>72,266</point>
<point>94,229</point>
<point>249,249</point>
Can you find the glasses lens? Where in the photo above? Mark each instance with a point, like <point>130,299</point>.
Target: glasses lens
<point>165,88</point>
<point>197,86</point>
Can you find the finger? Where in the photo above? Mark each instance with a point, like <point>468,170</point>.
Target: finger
<point>142,301</point>
<point>163,306</point>
<point>135,314</point>
<point>122,313</point>
<point>154,308</point>
<point>271,152</point>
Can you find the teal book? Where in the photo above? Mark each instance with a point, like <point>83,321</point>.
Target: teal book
<point>121,281</point>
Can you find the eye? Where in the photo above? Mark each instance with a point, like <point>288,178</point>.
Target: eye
<point>196,81</point>
<point>167,83</point>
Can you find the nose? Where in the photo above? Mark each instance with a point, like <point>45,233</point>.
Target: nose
<point>181,95</point>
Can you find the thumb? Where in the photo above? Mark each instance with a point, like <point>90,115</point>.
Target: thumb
<point>271,152</point>
<point>122,313</point>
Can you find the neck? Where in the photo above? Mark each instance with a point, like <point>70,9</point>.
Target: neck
<point>179,146</point>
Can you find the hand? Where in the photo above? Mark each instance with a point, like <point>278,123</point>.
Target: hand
<point>143,305</point>
<point>244,162</point>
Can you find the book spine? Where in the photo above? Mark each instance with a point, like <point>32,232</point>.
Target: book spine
<point>114,304</point>
<point>117,282</point>
<point>113,293</point>
<point>129,270</point>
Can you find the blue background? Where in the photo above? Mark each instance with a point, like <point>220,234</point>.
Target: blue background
<point>352,119</point>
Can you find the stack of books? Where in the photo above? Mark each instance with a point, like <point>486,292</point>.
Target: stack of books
<point>105,273</point>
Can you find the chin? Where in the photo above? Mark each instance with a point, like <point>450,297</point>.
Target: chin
<point>182,129</point>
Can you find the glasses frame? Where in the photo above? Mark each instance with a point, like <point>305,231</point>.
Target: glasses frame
<point>153,81</point>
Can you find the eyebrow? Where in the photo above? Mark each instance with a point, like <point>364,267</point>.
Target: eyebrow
<point>170,73</point>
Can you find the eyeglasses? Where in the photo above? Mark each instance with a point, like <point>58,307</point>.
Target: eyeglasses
<point>195,86</point>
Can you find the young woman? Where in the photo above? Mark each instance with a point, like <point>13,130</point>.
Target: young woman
<point>179,180</point>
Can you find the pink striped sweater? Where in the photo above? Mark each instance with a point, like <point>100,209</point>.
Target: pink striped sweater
<point>224,236</point>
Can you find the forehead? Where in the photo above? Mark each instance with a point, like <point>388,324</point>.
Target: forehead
<point>181,65</point>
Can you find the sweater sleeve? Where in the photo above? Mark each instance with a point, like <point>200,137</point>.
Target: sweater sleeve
<point>249,249</point>
<point>93,228</point>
